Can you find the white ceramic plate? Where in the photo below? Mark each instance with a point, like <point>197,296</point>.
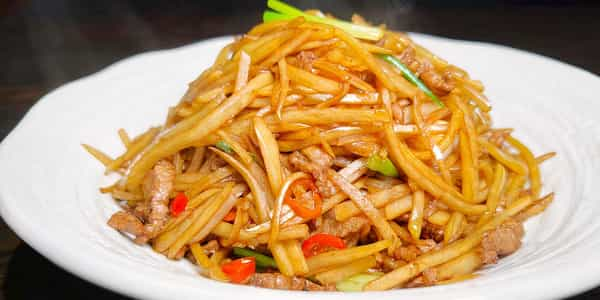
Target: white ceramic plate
<point>49,191</point>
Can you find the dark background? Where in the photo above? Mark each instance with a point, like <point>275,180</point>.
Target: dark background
<point>45,43</point>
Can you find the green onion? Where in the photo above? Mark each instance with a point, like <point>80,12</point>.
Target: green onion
<point>283,11</point>
<point>382,165</point>
<point>411,77</point>
<point>224,147</point>
<point>262,260</point>
<point>357,282</point>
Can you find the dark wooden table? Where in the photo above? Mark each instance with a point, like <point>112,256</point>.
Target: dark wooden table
<point>44,44</point>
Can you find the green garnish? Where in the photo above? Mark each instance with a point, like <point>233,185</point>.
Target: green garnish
<point>283,11</point>
<point>357,282</point>
<point>224,147</point>
<point>411,77</point>
<point>262,261</point>
<point>382,165</point>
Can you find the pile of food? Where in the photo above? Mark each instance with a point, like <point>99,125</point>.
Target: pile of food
<point>318,154</point>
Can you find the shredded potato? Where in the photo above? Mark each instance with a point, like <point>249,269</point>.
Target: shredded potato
<point>327,150</point>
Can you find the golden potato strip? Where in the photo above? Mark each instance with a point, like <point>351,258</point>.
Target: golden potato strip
<point>281,258</point>
<point>124,137</point>
<point>335,99</point>
<point>480,100</point>
<point>318,44</point>
<point>334,115</point>
<point>291,232</point>
<point>454,227</point>
<point>270,154</point>
<point>506,159</point>
<point>206,181</point>
<point>542,158</point>
<point>237,191</point>
<point>402,232</point>
<point>223,56</point>
<point>439,218</point>
<point>536,208</point>
<point>227,110</point>
<point>126,196</point>
<point>284,86</point>
<point>468,170</point>
<point>201,176</point>
<point>401,86</point>
<point>190,121</point>
<point>263,28</point>
<point>241,79</point>
<point>323,261</point>
<point>470,130</point>
<point>437,115</point>
<point>276,218</point>
<point>398,207</point>
<point>453,250</point>
<point>313,81</point>
<point>178,163</point>
<point>296,256</point>
<point>198,200</point>
<point>355,267</point>
<point>214,270</point>
<point>270,45</point>
<point>424,176</point>
<point>199,255</point>
<point>287,48</point>
<point>365,205</point>
<point>244,155</point>
<point>97,154</point>
<point>170,119</point>
<point>532,165</point>
<point>415,221</point>
<point>376,49</point>
<point>513,188</point>
<point>462,265</point>
<point>453,128</point>
<point>197,223</point>
<point>261,193</point>
<point>196,161</point>
<point>241,219</point>
<point>343,75</point>
<point>437,162</point>
<point>167,237</point>
<point>211,95</point>
<point>345,210</point>
<point>495,191</point>
<point>437,61</point>
<point>135,148</point>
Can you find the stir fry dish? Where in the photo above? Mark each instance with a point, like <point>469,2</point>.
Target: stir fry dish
<point>320,155</point>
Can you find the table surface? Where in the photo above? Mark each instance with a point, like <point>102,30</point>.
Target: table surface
<point>45,44</point>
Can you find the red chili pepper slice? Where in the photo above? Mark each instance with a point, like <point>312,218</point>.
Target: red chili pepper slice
<point>230,216</point>
<point>178,204</point>
<point>321,242</point>
<point>240,269</point>
<point>301,210</point>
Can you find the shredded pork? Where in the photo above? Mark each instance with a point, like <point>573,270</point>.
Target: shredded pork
<point>282,282</point>
<point>126,222</point>
<point>425,71</point>
<point>501,241</point>
<point>158,185</point>
<point>318,171</point>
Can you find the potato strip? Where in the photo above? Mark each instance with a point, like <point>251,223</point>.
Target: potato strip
<point>453,250</point>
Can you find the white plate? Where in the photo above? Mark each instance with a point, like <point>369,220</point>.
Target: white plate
<point>49,191</point>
